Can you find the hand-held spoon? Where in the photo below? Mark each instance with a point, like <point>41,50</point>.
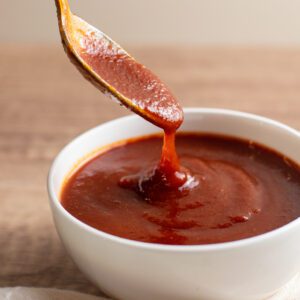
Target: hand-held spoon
<point>115,72</point>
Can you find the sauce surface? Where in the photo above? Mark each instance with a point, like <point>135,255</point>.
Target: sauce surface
<point>233,189</point>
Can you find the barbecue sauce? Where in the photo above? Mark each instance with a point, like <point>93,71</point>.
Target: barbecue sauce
<point>230,189</point>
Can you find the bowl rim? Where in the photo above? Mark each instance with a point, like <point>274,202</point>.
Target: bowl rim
<point>54,199</point>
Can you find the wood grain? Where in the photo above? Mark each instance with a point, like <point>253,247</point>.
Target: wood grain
<point>44,103</point>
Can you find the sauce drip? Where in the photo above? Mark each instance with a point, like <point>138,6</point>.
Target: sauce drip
<point>168,178</point>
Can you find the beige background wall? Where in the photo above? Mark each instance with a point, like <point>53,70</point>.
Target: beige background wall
<point>157,21</point>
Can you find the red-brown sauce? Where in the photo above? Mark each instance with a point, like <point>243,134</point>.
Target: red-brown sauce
<point>233,189</point>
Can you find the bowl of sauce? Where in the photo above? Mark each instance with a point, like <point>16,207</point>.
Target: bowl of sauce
<point>217,219</point>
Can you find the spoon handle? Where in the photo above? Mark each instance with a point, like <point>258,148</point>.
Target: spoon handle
<point>63,6</point>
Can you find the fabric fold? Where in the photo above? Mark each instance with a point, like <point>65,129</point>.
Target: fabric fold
<point>289,292</point>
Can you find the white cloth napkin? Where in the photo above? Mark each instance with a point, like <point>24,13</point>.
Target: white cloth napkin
<point>290,292</point>
<point>25,293</point>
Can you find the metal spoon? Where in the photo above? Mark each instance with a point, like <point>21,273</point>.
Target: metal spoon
<point>116,73</point>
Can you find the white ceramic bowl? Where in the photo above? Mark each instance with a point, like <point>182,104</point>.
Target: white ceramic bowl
<point>249,269</point>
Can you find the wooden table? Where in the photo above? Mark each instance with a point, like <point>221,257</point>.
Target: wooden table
<point>44,103</point>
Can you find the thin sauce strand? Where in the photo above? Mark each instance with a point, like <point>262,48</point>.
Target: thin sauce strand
<point>169,158</point>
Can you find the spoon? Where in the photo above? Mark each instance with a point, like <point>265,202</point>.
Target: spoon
<point>116,73</point>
